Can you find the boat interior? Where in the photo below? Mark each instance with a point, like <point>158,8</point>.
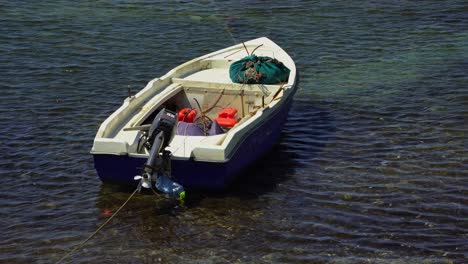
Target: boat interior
<point>209,91</point>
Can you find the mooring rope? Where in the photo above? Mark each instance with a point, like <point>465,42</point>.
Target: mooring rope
<point>97,230</point>
<point>226,27</point>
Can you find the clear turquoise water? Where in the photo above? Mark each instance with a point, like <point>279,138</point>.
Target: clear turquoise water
<point>371,167</point>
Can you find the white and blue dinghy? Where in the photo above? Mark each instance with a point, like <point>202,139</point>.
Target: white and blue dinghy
<point>200,124</point>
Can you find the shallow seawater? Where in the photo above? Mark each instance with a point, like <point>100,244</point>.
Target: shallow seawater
<point>372,165</point>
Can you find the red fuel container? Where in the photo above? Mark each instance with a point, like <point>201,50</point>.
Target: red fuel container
<point>187,115</point>
<point>227,117</point>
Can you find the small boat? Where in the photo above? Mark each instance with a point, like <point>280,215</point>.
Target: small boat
<point>194,127</point>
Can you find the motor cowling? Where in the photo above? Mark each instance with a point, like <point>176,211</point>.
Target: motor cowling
<point>164,121</point>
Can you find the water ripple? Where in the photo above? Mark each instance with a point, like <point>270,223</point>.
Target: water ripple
<point>371,165</point>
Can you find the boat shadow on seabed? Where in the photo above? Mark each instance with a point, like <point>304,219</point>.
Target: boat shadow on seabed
<point>302,139</point>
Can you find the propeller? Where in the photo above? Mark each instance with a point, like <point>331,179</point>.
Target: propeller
<point>163,184</point>
<point>145,181</point>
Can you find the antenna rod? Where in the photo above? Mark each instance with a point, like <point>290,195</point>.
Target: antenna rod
<point>246,50</point>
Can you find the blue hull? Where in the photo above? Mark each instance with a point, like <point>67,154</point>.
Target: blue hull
<point>201,174</point>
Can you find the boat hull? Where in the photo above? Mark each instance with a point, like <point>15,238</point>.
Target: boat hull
<point>197,174</point>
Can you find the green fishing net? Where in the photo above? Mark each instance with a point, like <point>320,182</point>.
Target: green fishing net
<point>256,69</point>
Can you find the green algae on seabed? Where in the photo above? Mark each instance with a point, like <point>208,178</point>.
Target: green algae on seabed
<point>388,73</point>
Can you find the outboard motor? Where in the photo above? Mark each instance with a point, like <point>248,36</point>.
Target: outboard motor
<point>157,138</point>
